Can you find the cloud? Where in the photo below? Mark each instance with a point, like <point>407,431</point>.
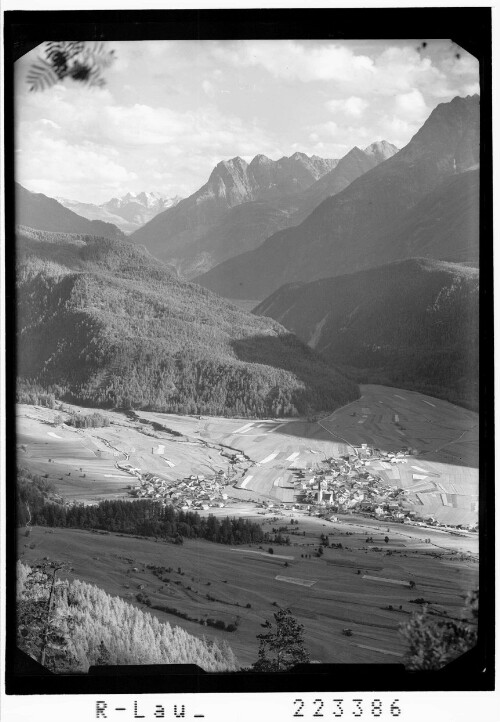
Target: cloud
<point>56,168</point>
<point>329,128</point>
<point>49,124</point>
<point>89,142</point>
<point>391,69</point>
<point>173,109</point>
<point>208,88</point>
<point>411,106</point>
<point>353,106</point>
<point>291,60</point>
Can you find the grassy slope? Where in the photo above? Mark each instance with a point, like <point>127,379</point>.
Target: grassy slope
<point>340,598</point>
<point>113,326</point>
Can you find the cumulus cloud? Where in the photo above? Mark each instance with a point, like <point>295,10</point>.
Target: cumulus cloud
<point>395,69</point>
<point>173,109</point>
<point>353,106</point>
<point>110,146</point>
<point>56,168</point>
<point>411,105</point>
<point>291,60</point>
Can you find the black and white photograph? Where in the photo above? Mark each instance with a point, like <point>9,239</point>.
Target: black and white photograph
<point>245,331</point>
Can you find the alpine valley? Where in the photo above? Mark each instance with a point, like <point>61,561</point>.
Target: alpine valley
<point>258,400</point>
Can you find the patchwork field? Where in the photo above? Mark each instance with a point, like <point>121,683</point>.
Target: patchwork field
<point>387,417</point>
<point>83,463</point>
<point>350,587</point>
<point>441,474</point>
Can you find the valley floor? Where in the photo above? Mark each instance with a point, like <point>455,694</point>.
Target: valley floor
<point>440,476</point>
<point>350,587</point>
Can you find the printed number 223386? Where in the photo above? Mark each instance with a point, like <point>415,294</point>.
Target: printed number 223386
<point>347,708</point>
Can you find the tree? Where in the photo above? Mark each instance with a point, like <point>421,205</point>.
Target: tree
<point>283,647</point>
<point>44,627</point>
<point>78,60</point>
<point>432,644</point>
<point>104,657</point>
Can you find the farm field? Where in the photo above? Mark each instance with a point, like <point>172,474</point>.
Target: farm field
<point>326,594</point>
<point>441,475</point>
<point>83,462</point>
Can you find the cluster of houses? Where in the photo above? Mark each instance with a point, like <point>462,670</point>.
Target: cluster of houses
<point>347,484</point>
<point>350,485</point>
<point>195,492</point>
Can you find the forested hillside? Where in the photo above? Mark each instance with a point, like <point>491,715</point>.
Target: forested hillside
<point>413,324</point>
<point>108,325</point>
<point>88,627</point>
<point>143,517</point>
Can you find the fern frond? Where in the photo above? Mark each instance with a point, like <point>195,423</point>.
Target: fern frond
<point>41,75</point>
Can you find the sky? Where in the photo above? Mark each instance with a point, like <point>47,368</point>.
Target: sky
<point>171,110</point>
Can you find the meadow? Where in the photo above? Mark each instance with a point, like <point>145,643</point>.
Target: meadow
<point>362,586</point>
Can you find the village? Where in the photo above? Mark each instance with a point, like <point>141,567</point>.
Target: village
<point>194,491</point>
<point>349,484</point>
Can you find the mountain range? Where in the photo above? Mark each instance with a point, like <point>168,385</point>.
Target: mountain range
<point>103,323</point>
<point>242,204</point>
<point>412,324</point>
<point>36,210</point>
<point>128,212</point>
<point>370,259</point>
<point>357,227</point>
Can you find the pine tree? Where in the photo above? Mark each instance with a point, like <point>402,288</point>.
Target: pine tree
<point>283,647</point>
<point>432,644</point>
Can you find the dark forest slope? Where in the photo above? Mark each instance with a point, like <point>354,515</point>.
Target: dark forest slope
<point>411,323</point>
<point>112,326</point>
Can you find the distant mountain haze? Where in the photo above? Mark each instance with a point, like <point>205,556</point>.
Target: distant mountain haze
<point>46,214</point>
<point>129,212</point>
<point>351,230</point>
<point>412,323</point>
<point>205,229</point>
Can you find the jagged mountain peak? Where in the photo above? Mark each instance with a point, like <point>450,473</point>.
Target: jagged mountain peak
<point>260,159</point>
<point>459,108</point>
<point>349,230</point>
<point>452,132</point>
<point>232,166</point>
<point>236,162</point>
<point>355,151</point>
<point>381,149</point>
